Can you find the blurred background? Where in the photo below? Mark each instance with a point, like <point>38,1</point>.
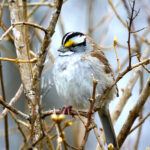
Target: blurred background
<point>96,18</point>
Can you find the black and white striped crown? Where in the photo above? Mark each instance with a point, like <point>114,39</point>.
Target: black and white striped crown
<point>73,39</point>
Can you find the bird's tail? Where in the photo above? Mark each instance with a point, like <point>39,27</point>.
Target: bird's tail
<point>108,126</point>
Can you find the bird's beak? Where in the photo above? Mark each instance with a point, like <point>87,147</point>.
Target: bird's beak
<point>63,49</point>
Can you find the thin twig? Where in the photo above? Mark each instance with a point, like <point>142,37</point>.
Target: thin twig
<point>127,92</point>
<point>113,8</point>
<point>43,135</point>
<point>49,130</point>
<point>138,57</point>
<point>67,124</point>
<point>140,123</point>
<point>22,23</point>
<point>133,28</point>
<point>115,47</point>
<point>80,118</point>
<point>90,112</point>
<point>35,4</point>
<point>48,139</point>
<point>5,29</point>
<point>144,62</point>
<point>58,111</point>
<point>90,13</point>
<point>21,114</point>
<point>19,126</point>
<point>132,17</point>
<point>61,135</point>
<point>1,13</point>
<point>4,99</point>
<point>33,60</point>
<point>26,29</point>
<point>61,25</point>
<point>147,61</point>
<point>97,136</point>
<point>12,101</point>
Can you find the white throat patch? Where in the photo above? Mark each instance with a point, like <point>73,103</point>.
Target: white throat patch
<point>66,53</point>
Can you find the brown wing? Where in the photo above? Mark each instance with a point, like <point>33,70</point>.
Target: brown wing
<point>100,55</point>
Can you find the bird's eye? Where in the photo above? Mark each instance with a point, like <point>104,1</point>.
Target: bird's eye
<point>69,43</point>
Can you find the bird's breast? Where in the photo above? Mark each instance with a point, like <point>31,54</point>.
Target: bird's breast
<point>72,82</point>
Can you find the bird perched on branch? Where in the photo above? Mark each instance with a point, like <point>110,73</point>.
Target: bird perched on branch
<point>80,57</point>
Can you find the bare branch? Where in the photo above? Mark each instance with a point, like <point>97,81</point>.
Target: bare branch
<point>21,114</point>
<point>140,123</point>
<point>12,101</point>
<point>128,89</point>
<point>134,113</point>
<point>4,99</point>
<point>22,23</point>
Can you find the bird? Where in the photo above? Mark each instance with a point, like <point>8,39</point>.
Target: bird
<point>79,57</point>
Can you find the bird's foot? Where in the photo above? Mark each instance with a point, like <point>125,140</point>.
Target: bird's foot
<point>67,110</point>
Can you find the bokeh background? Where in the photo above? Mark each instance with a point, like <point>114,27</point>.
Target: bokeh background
<point>84,16</point>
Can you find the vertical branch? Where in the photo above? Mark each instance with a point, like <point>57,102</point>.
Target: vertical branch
<point>115,47</point>
<point>100,144</point>
<point>43,53</point>
<point>133,28</point>
<point>129,32</point>
<point>61,136</point>
<point>39,65</point>
<point>25,10</point>
<point>16,15</point>
<point>90,17</point>
<point>6,117</point>
<point>46,42</point>
<point>61,25</point>
<point>1,13</point>
<point>90,112</point>
<point>48,139</point>
<point>36,111</point>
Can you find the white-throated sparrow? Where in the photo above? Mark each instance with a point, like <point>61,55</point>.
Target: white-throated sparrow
<point>79,58</point>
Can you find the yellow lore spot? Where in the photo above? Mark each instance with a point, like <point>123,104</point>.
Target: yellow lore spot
<point>69,43</point>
